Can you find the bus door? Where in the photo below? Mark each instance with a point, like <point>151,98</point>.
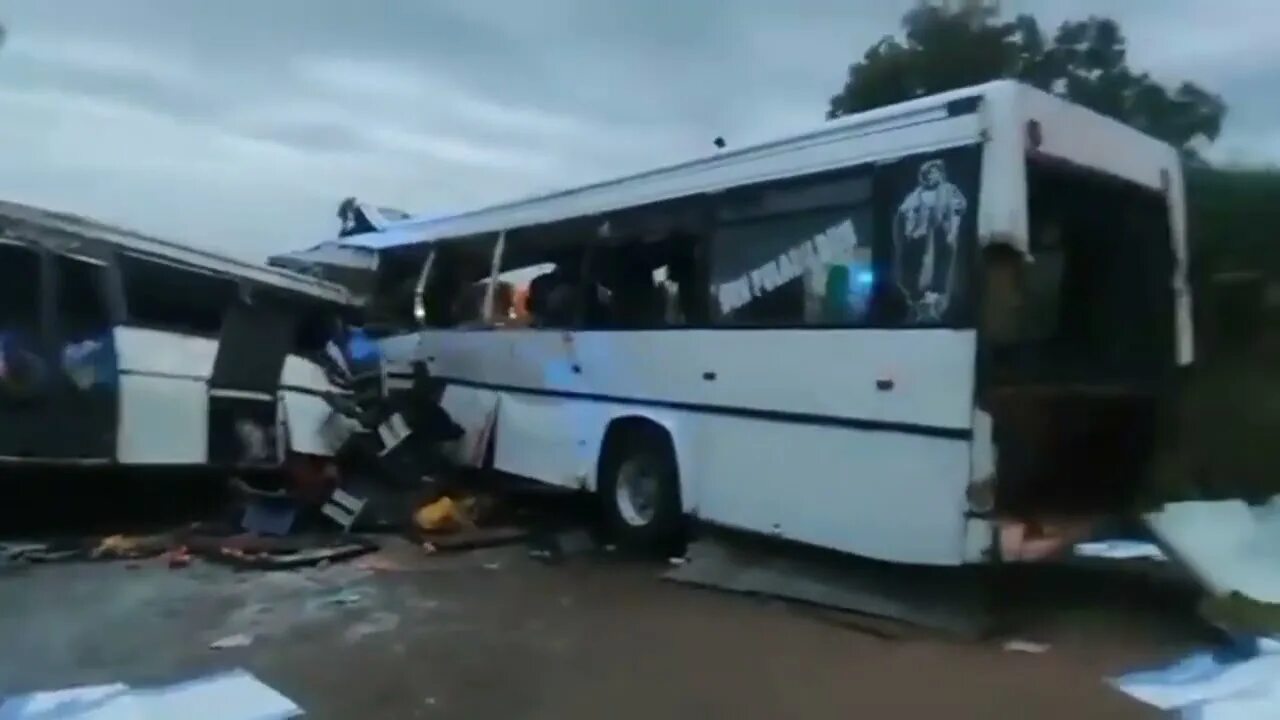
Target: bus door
<point>86,388</point>
<point>245,427</point>
<point>25,352</point>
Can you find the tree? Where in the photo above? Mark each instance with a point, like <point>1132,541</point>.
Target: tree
<point>1085,62</point>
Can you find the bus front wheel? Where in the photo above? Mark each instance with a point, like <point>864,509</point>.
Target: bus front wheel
<point>640,491</point>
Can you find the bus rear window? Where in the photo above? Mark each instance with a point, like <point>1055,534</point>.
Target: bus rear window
<point>1095,295</point>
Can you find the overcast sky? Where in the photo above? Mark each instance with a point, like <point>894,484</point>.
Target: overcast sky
<point>240,124</point>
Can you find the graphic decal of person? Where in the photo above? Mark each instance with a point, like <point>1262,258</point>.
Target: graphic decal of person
<point>925,232</point>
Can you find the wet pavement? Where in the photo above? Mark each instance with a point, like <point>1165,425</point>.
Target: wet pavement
<point>495,634</point>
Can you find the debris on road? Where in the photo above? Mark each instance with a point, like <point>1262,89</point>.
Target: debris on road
<point>1233,683</point>
<point>261,553</point>
<point>1025,646</point>
<point>446,515</point>
<point>235,695</point>
<point>178,558</point>
<point>232,641</point>
<point>755,566</point>
<point>1228,545</point>
<point>1121,550</point>
<point>376,623</point>
<point>343,508</point>
<point>124,547</point>
<point>267,517</point>
<point>66,550</point>
<point>477,538</point>
<point>555,547</point>
<point>27,552</point>
<point>346,598</point>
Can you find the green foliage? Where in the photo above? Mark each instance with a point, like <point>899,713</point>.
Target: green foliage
<point>1085,61</point>
<point>1233,216</point>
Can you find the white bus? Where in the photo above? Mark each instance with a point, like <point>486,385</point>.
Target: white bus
<point>933,333</point>
<point>122,349</point>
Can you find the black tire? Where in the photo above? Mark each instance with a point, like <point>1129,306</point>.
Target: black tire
<point>650,527</point>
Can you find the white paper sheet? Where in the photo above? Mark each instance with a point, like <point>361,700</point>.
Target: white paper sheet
<point>89,702</point>
<point>235,695</point>
<point>1120,550</point>
<point>1206,687</point>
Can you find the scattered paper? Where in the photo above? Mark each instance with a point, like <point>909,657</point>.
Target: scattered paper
<point>343,599</point>
<point>1212,685</point>
<point>1121,550</point>
<point>235,695</point>
<point>232,641</point>
<point>90,702</point>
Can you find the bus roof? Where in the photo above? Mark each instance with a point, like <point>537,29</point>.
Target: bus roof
<point>765,161</point>
<point>41,225</point>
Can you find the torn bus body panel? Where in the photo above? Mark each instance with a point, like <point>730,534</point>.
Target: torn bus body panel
<point>120,348</point>
<point>1228,545</point>
<point>1079,355</point>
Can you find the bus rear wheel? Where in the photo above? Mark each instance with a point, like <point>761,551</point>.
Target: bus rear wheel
<point>639,492</point>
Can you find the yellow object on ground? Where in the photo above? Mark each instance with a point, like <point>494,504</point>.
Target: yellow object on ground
<point>117,546</point>
<point>443,515</point>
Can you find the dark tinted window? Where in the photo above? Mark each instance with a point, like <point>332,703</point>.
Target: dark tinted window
<point>812,267</point>
<point>168,297</point>
<point>83,309</point>
<point>19,287</point>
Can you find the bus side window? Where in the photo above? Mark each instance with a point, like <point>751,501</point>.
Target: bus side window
<point>539,280</point>
<point>83,306</point>
<point>19,290</point>
<point>165,297</point>
<point>22,368</point>
<point>453,292</point>
<point>650,282</point>
<point>794,256</point>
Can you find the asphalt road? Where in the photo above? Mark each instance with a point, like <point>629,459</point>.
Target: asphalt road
<point>495,634</point>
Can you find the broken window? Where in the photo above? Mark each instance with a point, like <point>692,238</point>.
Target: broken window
<point>84,308</point>
<point>19,288</point>
<point>794,255</point>
<point>167,297</point>
<point>649,281</point>
<point>390,310</point>
<point>645,267</point>
<point>454,289</point>
<point>541,280</point>
<point>511,295</point>
<point>23,370</point>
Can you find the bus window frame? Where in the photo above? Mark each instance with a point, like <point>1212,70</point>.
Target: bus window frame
<point>420,289</point>
<point>106,292</point>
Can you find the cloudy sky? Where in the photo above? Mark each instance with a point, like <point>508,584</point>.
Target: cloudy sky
<point>239,124</point>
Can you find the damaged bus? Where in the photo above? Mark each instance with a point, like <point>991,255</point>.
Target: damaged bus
<point>122,349</point>
<point>937,333</point>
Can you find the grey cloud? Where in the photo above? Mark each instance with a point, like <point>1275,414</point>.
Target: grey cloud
<point>240,123</point>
